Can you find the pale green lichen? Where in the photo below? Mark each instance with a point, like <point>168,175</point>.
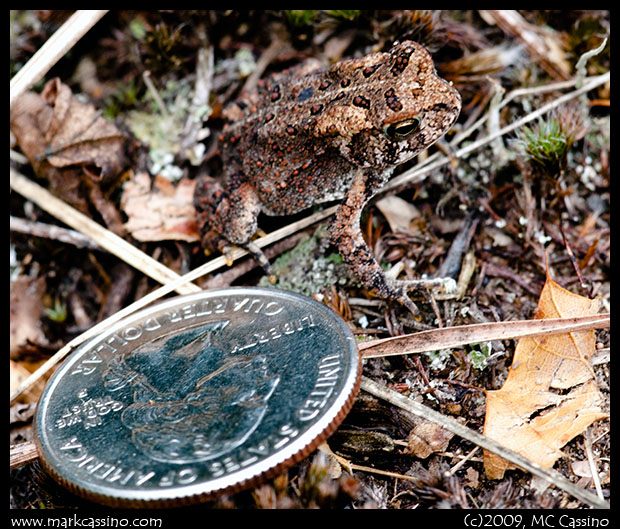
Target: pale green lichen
<point>307,269</point>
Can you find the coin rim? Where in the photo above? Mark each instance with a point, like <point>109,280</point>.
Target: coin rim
<point>191,494</point>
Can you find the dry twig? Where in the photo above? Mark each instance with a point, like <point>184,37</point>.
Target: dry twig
<point>55,47</point>
<point>450,337</point>
<point>49,231</point>
<point>22,454</point>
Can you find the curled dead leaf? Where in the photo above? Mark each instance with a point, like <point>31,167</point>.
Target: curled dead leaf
<point>165,212</point>
<point>399,213</point>
<point>426,438</point>
<point>69,144</point>
<point>57,128</point>
<point>76,134</point>
<point>550,395</point>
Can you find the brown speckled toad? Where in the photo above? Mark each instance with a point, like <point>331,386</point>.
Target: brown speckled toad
<point>304,138</point>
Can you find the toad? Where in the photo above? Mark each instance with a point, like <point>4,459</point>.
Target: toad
<point>304,138</point>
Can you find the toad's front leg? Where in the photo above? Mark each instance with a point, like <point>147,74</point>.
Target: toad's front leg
<point>346,235</point>
<point>228,218</point>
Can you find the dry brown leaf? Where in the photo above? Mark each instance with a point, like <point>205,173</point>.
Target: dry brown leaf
<point>67,142</point>
<point>17,374</point>
<point>581,468</point>
<point>26,309</point>
<point>472,477</point>
<point>550,395</point>
<point>20,371</point>
<point>76,134</point>
<point>165,212</point>
<point>398,212</point>
<point>426,438</point>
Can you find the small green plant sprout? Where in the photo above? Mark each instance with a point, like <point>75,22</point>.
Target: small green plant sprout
<point>58,313</point>
<point>479,355</point>
<point>138,29</point>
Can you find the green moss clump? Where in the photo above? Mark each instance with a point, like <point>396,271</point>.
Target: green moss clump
<point>308,17</point>
<point>546,144</point>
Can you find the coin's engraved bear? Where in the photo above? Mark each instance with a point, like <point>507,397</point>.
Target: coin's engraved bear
<point>189,405</point>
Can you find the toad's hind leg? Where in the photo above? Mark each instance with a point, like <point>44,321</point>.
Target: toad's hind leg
<point>228,219</point>
<point>346,235</point>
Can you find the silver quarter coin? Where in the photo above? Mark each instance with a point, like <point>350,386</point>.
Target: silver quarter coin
<point>197,395</point>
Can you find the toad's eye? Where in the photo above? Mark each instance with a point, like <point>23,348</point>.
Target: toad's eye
<point>403,129</point>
